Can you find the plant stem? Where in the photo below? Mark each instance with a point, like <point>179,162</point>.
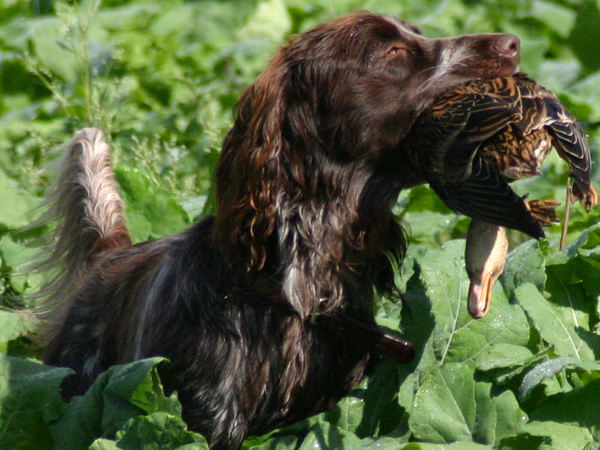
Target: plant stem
<point>565,225</point>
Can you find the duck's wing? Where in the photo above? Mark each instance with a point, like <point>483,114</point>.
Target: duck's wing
<point>448,137</point>
<point>449,134</point>
<point>541,108</point>
<point>486,195</point>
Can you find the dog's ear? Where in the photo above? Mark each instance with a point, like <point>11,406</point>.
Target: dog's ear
<point>250,172</point>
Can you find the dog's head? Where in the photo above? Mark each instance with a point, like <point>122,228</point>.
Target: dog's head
<point>363,78</point>
<point>337,98</point>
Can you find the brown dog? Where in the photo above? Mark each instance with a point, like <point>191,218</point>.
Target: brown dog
<point>260,309</point>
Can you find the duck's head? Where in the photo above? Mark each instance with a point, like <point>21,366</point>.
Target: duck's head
<point>485,256</point>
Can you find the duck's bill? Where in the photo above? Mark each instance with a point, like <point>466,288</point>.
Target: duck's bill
<point>480,296</point>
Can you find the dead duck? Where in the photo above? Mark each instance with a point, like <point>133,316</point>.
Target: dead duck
<point>477,138</point>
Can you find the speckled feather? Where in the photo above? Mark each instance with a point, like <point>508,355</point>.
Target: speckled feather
<point>480,136</point>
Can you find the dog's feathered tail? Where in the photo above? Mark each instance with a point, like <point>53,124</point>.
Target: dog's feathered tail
<point>88,211</point>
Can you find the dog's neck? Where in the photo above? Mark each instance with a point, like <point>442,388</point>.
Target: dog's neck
<point>337,248</point>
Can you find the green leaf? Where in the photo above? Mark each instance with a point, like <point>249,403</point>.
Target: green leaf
<point>560,18</point>
<point>503,355</point>
<point>422,199</point>
<point>456,336</point>
<point>445,407</point>
<point>426,216</point>
<point>380,412</point>
<point>325,435</point>
<point>525,264</point>
<point>21,203</point>
<point>29,395</point>
<point>585,93</point>
<point>159,430</point>
<point>580,406</point>
<point>550,368</point>
<point>270,20</point>
<point>563,436</point>
<point>149,397</point>
<point>585,36</point>
<point>151,210</point>
<point>348,414</point>
<point>13,325</point>
<point>280,441</point>
<point>566,289</point>
<point>14,256</point>
<point>525,441</point>
<point>106,405</point>
<point>555,325</point>
<point>464,445</point>
<point>104,444</point>
<point>451,406</point>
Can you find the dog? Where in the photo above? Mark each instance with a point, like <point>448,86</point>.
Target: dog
<point>265,310</point>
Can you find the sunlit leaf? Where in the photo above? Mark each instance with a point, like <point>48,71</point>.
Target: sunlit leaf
<point>556,325</point>
<point>550,368</point>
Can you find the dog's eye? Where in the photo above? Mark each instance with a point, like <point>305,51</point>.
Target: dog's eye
<point>396,50</point>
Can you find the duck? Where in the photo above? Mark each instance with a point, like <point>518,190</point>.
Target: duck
<point>477,138</point>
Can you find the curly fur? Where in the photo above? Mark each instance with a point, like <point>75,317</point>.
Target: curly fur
<point>265,309</point>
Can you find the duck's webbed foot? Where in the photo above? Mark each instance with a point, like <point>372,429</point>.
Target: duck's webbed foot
<point>544,211</point>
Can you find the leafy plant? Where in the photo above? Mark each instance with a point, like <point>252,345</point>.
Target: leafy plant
<point>161,80</point>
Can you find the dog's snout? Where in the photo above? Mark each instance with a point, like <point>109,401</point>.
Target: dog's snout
<point>507,45</point>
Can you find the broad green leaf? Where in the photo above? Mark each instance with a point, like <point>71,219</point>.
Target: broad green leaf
<point>550,368</point>
<point>464,445</point>
<point>13,324</point>
<point>323,435</point>
<point>563,436</point>
<point>525,441</point>
<point>348,413</point>
<point>586,96</point>
<point>422,199</point>
<point>525,264</point>
<point>456,336</point>
<point>15,256</point>
<point>17,203</point>
<point>270,20</point>
<point>555,325</point>
<point>280,441</point>
<point>560,18</point>
<point>588,265</point>
<point>105,406</point>
<point>559,75</point>
<point>450,405</point>
<point>445,406</point>
<point>564,286</point>
<point>502,355</point>
<point>30,398</point>
<point>149,397</point>
<point>574,289</point>
<point>430,227</point>
<point>580,406</point>
<point>379,412</point>
<point>159,430</point>
<point>510,417</point>
<point>103,444</point>
<point>151,210</point>
<point>586,35</point>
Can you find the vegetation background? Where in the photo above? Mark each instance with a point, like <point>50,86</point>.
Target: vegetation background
<point>161,79</point>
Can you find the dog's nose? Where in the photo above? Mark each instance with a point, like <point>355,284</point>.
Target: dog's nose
<point>507,45</point>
